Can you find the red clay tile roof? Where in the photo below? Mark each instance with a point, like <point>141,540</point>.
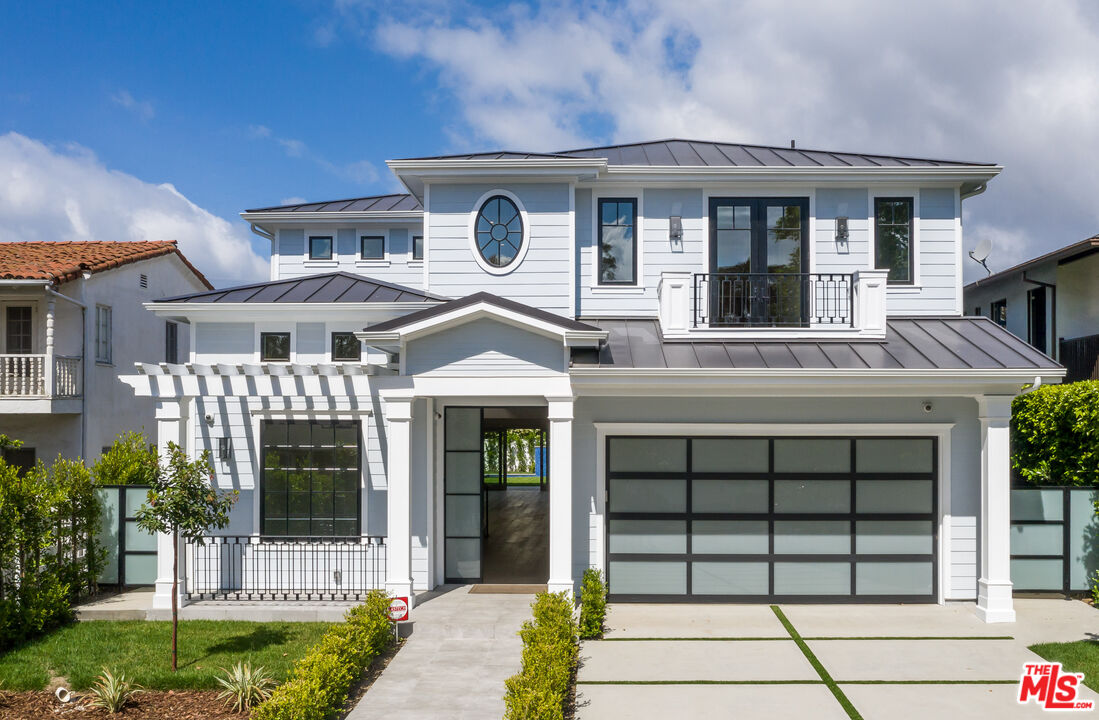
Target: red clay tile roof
<point>60,262</point>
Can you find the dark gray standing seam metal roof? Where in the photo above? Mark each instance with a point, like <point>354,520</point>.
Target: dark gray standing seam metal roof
<point>397,202</point>
<point>949,343</point>
<point>337,287</point>
<point>489,298</point>
<point>705,153</point>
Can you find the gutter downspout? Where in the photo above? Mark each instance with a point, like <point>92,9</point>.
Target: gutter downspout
<point>975,191</point>
<point>1052,313</point>
<point>1033,386</point>
<point>257,230</point>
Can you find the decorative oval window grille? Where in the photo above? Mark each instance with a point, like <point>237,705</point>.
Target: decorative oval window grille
<point>499,231</point>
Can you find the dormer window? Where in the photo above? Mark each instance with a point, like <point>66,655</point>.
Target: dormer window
<point>372,247</point>
<point>893,238</point>
<point>320,247</point>
<point>417,247</point>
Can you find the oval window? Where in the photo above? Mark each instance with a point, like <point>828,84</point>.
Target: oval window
<point>499,231</point>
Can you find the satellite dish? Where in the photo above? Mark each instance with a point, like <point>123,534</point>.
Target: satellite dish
<point>981,252</point>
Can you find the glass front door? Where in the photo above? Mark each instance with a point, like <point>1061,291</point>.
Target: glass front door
<point>758,261</point>
<point>463,519</point>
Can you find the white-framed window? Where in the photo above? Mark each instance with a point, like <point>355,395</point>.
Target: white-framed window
<point>103,345</point>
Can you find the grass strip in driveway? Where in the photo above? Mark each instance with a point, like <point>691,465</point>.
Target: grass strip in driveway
<point>841,698</point>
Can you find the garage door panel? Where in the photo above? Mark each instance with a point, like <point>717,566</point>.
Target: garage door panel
<point>784,519</point>
<point>648,578</point>
<point>812,496</point>
<point>730,496</point>
<point>729,578</point>
<point>812,578</point>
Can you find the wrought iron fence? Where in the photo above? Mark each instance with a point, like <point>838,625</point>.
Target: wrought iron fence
<point>773,299</point>
<point>249,567</point>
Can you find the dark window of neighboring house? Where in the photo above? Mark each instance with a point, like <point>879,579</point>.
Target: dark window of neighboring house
<point>1036,318</point>
<point>320,247</point>
<point>998,312</point>
<point>617,241</point>
<point>893,238</point>
<point>417,247</point>
<point>372,247</point>
<point>171,342</point>
<point>18,331</point>
<point>103,349</point>
<point>977,311</point>
<point>311,478</point>
<point>274,346</point>
<point>21,458</point>
<point>345,346</point>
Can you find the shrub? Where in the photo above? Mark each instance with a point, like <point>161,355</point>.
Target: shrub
<point>319,683</point>
<point>245,686</point>
<point>113,693</point>
<point>550,645</point>
<point>129,461</point>
<point>1055,435</point>
<point>593,604</point>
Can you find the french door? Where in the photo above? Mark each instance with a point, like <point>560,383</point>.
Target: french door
<point>758,261</point>
<point>463,519</point>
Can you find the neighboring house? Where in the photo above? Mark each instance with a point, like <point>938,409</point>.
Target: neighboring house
<point>752,365</point>
<point>1051,301</point>
<point>71,319</point>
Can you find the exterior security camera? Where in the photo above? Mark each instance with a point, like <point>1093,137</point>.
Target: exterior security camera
<point>928,407</point>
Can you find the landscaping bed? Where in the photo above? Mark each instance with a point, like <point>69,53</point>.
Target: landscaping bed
<point>155,705</point>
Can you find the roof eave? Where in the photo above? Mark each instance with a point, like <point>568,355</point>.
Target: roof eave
<point>282,216</point>
<point>963,173</point>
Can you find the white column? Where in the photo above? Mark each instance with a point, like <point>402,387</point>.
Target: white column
<point>560,495</point>
<point>994,586</point>
<point>171,426</point>
<point>398,562</point>
<point>48,369</point>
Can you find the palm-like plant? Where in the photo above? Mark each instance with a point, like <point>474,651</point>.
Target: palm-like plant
<point>113,693</point>
<point>245,686</point>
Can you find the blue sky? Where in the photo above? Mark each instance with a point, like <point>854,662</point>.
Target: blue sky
<point>103,106</point>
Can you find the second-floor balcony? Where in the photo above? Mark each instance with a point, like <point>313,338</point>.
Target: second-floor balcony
<point>35,377</point>
<point>696,305</point>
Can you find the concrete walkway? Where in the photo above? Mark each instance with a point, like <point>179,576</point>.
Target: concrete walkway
<point>889,661</point>
<point>461,648</point>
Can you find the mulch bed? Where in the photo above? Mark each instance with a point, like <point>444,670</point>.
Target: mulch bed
<point>151,705</point>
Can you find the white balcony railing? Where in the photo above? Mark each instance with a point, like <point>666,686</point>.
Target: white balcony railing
<point>24,376</point>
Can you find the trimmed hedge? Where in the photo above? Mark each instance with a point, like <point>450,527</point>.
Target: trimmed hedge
<point>319,683</point>
<point>550,645</point>
<point>593,604</point>
<point>1055,435</point>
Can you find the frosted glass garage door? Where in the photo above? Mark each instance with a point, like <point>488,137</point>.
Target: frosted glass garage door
<point>806,519</point>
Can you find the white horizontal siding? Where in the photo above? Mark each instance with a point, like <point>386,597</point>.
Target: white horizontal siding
<point>963,557</point>
<point>937,291</point>
<point>484,347</point>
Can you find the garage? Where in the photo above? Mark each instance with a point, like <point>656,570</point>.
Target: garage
<point>772,519</point>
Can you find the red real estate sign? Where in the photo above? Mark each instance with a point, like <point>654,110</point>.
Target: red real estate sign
<point>398,609</point>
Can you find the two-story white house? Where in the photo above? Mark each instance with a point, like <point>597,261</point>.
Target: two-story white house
<point>71,321</point>
<point>752,364</point>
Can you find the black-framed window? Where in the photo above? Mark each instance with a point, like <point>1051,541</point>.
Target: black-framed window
<point>977,311</point>
<point>499,231</point>
<point>997,311</point>
<point>320,247</point>
<point>372,247</point>
<point>274,346</point>
<point>893,238</point>
<point>312,478</point>
<point>417,247</point>
<point>18,330</point>
<point>345,346</point>
<point>617,241</point>
<point>171,342</point>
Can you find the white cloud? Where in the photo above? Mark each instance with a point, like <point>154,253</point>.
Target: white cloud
<point>362,172</point>
<point>973,81</point>
<point>292,200</point>
<point>51,194</point>
<point>143,109</point>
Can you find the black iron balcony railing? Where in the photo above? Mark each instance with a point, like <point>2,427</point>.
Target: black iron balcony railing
<point>773,299</point>
<point>249,567</point>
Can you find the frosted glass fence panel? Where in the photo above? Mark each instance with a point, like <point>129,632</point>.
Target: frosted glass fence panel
<point>1054,538</point>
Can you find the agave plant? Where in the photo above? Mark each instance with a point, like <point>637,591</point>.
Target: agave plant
<point>113,693</point>
<point>245,686</point>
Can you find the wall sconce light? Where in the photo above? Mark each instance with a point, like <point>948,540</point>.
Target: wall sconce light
<point>225,448</point>
<point>841,229</point>
<point>675,232</point>
<point>209,420</point>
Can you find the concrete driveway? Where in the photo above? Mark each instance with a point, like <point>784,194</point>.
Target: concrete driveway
<point>886,661</point>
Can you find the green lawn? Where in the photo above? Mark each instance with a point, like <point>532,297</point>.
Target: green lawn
<point>513,479</point>
<point>1080,656</point>
<point>142,650</point>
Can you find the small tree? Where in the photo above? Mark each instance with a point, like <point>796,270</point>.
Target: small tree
<point>182,503</point>
<point>131,460</point>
